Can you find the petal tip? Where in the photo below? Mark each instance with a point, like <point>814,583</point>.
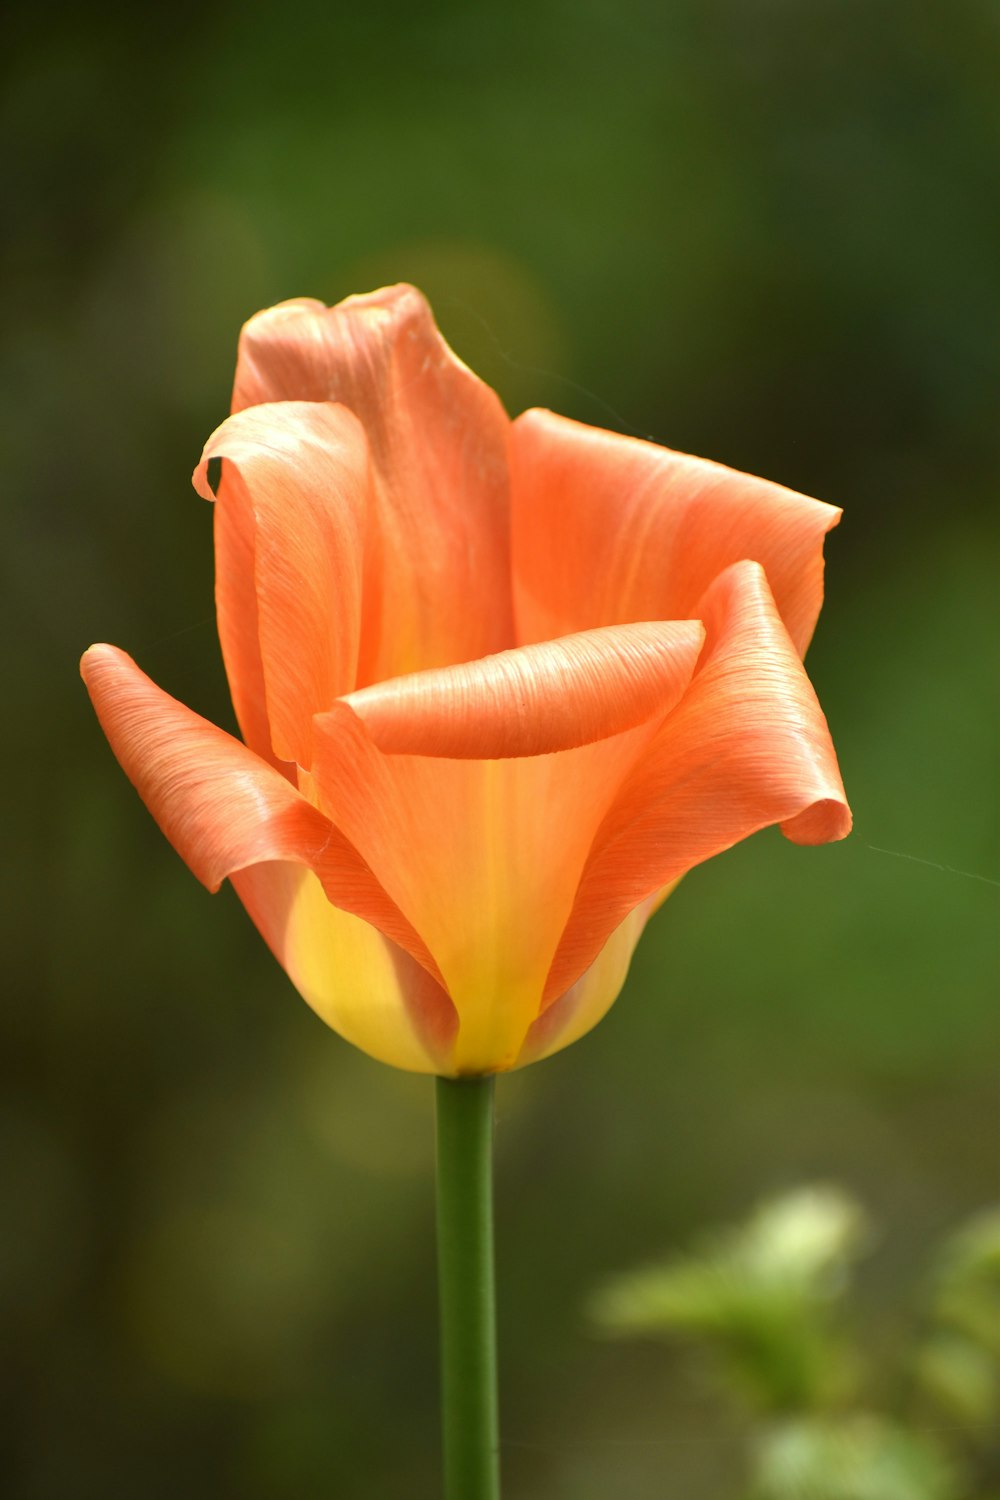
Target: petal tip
<point>826,821</point>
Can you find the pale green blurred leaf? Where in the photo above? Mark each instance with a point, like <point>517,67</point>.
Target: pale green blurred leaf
<point>856,1458</point>
<point>966,1291</point>
<point>975,1249</point>
<point>959,1377</point>
<point>762,1291</point>
<point>807,1238</point>
<point>793,1248</point>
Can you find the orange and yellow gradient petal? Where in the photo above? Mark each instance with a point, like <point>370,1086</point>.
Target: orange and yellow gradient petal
<point>363,985</point>
<point>482,853</point>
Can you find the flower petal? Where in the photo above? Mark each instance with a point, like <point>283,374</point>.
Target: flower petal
<point>237,617</point>
<point>292,533</point>
<point>537,699</point>
<point>484,855</point>
<point>372,992</point>
<point>746,747</point>
<point>223,808</point>
<point>608,529</point>
<point>586,1002</point>
<point>439,442</point>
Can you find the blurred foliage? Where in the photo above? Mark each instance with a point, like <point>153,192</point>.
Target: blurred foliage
<point>769,1295</point>
<point>855,1458</point>
<point>958,1364</point>
<point>755,229</point>
<point>760,1292</point>
<point>968,1283</point>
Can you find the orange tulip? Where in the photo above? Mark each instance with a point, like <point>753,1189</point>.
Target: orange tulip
<point>500,685</point>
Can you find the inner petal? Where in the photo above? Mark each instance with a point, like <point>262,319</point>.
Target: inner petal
<point>484,856</point>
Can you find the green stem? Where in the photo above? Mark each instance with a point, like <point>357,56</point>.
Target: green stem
<point>465,1282</point>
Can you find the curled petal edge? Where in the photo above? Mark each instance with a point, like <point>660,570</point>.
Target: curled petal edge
<point>747,747</point>
<point>534,700</point>
<point>610,528</point>
<point>292,544</point>
<point>438,438</point>
<point>222,807</point>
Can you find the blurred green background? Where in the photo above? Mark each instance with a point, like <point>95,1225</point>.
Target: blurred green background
<point>759,230</point>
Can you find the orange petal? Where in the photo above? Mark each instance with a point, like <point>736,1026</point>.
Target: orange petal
<point>439,443</point>
<point>484,854</point>
<point>221,807</point>
<point>608,529</point>
<point>236,614</point>
<point>537,699</point>
<point>293,517</point>
<point>746,747</point>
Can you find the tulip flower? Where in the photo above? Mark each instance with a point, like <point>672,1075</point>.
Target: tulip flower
<point>500,685</point>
